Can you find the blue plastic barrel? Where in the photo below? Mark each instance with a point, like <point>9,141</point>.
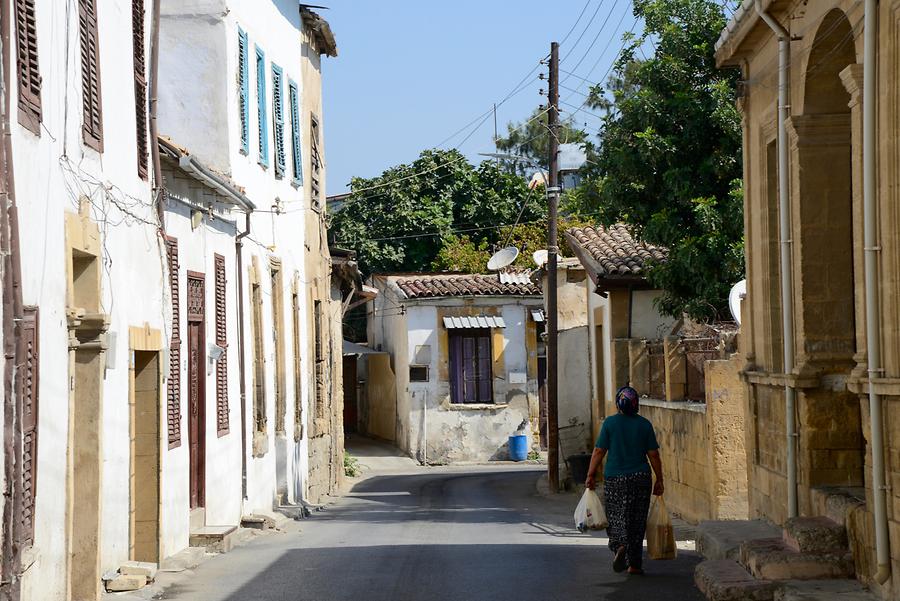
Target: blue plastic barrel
<point>518,447</point>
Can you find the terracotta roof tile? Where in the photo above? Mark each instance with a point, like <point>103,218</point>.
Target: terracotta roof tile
<point>616,252</point>
<point>432,286</point>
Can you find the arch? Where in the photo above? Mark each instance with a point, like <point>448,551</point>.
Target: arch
<point>832,50</point>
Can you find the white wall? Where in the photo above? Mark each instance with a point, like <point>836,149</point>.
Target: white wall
<point>52,171</point>
<point>647,322</point>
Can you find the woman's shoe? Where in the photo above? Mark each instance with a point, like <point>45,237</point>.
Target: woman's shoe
<point>635,571</point>
<point>621,561</point>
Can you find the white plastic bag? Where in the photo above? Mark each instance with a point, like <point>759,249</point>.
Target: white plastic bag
<point>660,533</point>
<point>590,515</point>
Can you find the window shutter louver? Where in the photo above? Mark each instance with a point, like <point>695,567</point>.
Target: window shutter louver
<point>140,86</point>
<point>29,379</point>
<point>278,120</point>
<point>222,341</point>
<point>261,102</point>
<point>315,163</point>
<point>92,114</point>
<point>244,89</point>
<point>27,65</point>
<point>173,390</point>
<point>296,154</point>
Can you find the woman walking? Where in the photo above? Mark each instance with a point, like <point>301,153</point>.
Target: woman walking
<point>628,443</point>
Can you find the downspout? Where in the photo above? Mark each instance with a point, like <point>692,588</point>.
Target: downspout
<point>239,265</point>
<point>13,341</point>
<point>154,128</point>
<point>787,284</point>
<point>873,317</point>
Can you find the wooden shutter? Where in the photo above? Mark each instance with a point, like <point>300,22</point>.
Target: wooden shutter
<point>315,162</point>
<point>296,154</point>
<point>27,65</point>
<point>29,379</point>
<point>140,85</point>
<point>173,390</point>
<point>278,120</point>
<point>261,107</point>
<point>92,113</point>
<point>221,340</point>
<point>244,89</point>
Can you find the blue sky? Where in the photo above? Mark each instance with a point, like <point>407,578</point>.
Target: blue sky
<point>412,72</point>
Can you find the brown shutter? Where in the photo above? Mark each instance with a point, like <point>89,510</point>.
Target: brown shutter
<point>27,65</point>
<point>221,340</point>
<point>140,85</point>
<point>173,392</point>
<point>92,114</point>
<point>29,382</point>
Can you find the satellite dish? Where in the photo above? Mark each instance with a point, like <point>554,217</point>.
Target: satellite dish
<point>502,258</point>
<point>540,257</point>
<point>735,297</point>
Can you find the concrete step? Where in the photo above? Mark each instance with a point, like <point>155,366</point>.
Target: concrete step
<point>139,568</point>
<point>726,580</point>
<point>215,539</point>
<point>824,590</point>
<point>772,559</point>
<point>257,522</point>
<point>722,539</point>
<point>815,535</point>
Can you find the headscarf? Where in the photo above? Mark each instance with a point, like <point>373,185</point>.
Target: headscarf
<point>627,400</point>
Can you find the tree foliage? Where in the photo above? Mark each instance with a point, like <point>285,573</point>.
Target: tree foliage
<point>402,219</point>
<point>669,156</point>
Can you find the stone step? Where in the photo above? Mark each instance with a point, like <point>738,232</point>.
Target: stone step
<point>215,539</point>
<point>139,568</point>
<point>815,535</point>
<point>722,539</point>
<point>824,590</point>
<point>257,522</point>
<point>726,580</point>
<point>772,559</point>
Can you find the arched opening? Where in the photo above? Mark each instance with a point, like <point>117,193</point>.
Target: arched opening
<point>831,435</point>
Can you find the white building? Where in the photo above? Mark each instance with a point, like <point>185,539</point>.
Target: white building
<point>177,365</point>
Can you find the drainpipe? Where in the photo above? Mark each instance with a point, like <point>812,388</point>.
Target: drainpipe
<point>239,265</point>
<point>784,211</point>
<point>154,128</point>
<point>873,318</point>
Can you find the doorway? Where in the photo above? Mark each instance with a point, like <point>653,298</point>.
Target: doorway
<point>196,320</point>
<point>145,457</point>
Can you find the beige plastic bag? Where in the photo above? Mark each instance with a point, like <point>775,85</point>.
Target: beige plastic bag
<point>660,533</point>
<point>590,515</point>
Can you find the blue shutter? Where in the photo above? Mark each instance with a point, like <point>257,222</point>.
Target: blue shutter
<point>261,102</point>
<point>244,89</point>
<point>296,154</point>
<point>278,119</point>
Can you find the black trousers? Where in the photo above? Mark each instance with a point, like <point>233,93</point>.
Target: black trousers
<point>627,500</point>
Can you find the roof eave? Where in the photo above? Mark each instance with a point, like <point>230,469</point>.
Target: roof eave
<point>731,40</point>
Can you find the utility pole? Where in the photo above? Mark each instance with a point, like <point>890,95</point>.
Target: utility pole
<point>552,253</point>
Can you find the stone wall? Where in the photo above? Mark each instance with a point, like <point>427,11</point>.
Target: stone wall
<point>702,448</point>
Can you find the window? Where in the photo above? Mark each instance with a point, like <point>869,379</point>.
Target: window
<point>471,380</point>
<point>418,373</point>
<point>28,381</point>
<point>259,360</point>
<point>244,89</point>
<point>28,68</point>
<point>261,102</point>
<point>315,161</point>
<point>173,385</point>
<point>222,425</point>
<point>140,85</point>
<point>277,282</point>
<point>278,120</point>
<point>92,113</point>
<point>296,154</point>
<point>320,360</point>
<point>298,374</point>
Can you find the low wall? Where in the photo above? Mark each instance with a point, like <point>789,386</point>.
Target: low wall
<point>702,448</point>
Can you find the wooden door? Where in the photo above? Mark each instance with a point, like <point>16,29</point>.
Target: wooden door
<point>350,401</point>
<point>197,388</point>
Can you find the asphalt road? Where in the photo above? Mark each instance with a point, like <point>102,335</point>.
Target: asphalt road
<point>477,533</point>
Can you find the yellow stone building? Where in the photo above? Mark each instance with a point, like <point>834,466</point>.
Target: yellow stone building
<point>838,184</point>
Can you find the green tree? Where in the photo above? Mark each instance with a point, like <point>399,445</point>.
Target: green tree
<point>669,156</point>
<point>400,220</point>
<point>531,140</point>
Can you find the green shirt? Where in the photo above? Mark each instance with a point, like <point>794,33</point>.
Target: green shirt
<point>627,439</point>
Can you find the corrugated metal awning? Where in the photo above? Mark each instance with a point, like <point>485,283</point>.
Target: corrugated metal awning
<point>537,315</point>
<point>480,321</point>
